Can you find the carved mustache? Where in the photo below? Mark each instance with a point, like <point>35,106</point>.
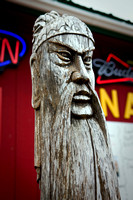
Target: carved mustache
<point>77,92</point>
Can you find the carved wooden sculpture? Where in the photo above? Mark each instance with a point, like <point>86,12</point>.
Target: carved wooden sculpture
<point>72,149</point>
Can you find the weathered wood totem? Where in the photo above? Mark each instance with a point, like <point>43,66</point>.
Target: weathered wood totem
<point>73,158</point>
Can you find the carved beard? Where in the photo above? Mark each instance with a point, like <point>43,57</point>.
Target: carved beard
<point>76,161</point>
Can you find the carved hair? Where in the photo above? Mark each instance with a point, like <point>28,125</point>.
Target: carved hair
<point>52,24</point>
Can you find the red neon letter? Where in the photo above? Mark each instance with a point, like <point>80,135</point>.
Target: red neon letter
<point>14,58</point>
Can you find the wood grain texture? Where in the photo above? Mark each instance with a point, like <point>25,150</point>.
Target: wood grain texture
<point>73,158</point>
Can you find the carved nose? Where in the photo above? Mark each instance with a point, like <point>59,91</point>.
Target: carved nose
<point>80,75</point>
<point>77,78</point>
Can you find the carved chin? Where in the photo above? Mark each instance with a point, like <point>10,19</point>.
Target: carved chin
<point>81,110</point>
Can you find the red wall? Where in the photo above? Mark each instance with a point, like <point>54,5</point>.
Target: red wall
<point>17,174</point>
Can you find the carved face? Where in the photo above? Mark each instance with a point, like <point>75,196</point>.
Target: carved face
<point>67,60</point>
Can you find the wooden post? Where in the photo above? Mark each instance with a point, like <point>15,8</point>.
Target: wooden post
<point>73,158</point>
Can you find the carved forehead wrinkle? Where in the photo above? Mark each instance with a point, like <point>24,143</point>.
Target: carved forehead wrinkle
<point>78,43</point>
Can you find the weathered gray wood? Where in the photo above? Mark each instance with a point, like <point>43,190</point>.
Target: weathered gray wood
<point>73,158</point>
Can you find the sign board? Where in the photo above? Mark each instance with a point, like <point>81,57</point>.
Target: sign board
<point>113,67</point>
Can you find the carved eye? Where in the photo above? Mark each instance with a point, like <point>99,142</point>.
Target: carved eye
<point>64,55</point>
<point>87,60</point>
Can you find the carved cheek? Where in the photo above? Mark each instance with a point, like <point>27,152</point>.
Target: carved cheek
<point>59,74</point>
<point>57,83</point>
<point>92,78</point>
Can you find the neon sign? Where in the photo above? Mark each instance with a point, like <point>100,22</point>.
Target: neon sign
<point>108,69</point>
<point>12,48</point>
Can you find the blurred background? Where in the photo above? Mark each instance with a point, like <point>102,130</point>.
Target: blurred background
<point>112,26</point>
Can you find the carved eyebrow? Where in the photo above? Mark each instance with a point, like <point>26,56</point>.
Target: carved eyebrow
<point>89,49</point>
<point>71,48</point>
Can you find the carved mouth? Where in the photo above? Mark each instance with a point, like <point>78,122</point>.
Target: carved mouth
<point>81,97</point>
<point>82,105</point>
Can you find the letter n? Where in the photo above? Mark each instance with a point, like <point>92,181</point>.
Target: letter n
<point>5,43</point>
<point>112,103</point>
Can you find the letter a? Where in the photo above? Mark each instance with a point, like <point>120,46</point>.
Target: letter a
<point>129,106</point>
